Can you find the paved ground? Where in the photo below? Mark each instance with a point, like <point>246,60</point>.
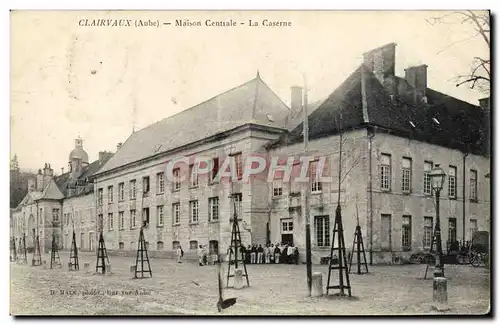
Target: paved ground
<point>275,290</point>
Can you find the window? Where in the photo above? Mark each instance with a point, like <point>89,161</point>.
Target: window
<point>145,186</point>
<point>452,230</point>
<point>121,220</point>
<point>386,232</point>
<point>160,182</point>
<point>427,232</point>
<point>406,179</point>
<point>239,165</point>
<point>176,213</point>
<point>427,177</point>
<point>316,185</point>
<point>213,247</point>
<point>132,190</point>
<point>82,240</point>
<point>237,197</point>
<point>385,172</point>
<point>159,215</point>
<point>175,244</point>
<point>215,170</point>
<point>110,221</point>
<point>322,228</point>
<point>193,211</point>
<point>100,221</point>
<point>287,226</point>
<point>133,216</point>
<point>193,244</point>
<point>452,182</point>
<point>121,192</point>
<point>159,246</point>
<point>41,216</point>
<point>213,209</point>
<point>145,215</point>
<point>121,245</point>
<point>110,194</point>
<point>472,227</point>
<point>176,185</point>
<point>277,187</point>
<point>473,185</point>
<point>55,215</point>
<point>99,196</point>
<point>406,233</point>
<point>193,177</point>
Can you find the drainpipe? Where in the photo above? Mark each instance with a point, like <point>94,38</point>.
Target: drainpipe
<point>463,192</point>
<point>371,134</point>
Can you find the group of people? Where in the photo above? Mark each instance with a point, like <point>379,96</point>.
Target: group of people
<point>252,254</point>
<point>270,254</point>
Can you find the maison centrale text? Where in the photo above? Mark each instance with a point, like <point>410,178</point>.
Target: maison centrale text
<point>230,23</point>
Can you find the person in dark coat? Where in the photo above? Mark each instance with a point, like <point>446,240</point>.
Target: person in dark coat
<point>260,255</point>
<point>277,254</point>
<point>243,252</point>
<point>296,255</point>
<point>253,254</point>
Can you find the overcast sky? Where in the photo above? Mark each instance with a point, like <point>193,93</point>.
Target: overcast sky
<point>68,80</point>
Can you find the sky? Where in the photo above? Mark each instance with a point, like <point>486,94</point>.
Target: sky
<point>69,80</point>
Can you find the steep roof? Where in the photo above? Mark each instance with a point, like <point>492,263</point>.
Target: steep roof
<point>362,101</point>
<point>62,181</point>
<point>250,103</point>
<point>52,192</point>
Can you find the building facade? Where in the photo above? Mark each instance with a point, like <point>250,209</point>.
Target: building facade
<point>380,135</point>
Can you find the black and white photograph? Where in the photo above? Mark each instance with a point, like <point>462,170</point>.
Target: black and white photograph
<point>250,163</point>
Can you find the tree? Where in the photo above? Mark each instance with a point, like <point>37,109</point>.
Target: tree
<point>14,164</point>
<point>479,76</point>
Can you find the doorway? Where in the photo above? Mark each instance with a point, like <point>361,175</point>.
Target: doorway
<point>287,231</point>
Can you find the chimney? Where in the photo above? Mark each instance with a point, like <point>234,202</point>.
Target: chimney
<point>296,100</point>
<point>485,103</point>
<point>39,181</point>
<point>62,170</point>
<point>103,155</point>
<point>417,78</point>
<point>118,146</point>
<point>381,61</point>
<point>31,185</point>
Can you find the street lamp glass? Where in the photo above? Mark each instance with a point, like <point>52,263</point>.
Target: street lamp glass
<point>437,178</point>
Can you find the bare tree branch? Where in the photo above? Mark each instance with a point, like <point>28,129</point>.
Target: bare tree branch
<point>481,25</point>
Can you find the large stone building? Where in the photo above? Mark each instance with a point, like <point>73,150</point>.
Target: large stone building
<point>394,131</point>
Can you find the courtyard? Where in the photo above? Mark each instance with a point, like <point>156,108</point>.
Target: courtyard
<point>280,289</point>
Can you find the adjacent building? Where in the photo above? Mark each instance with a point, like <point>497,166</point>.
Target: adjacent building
<point>57,205</point>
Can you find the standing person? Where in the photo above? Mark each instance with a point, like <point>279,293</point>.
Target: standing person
<point>267,254</point>
<point>248,254</point>
<point>243,253</point>
<point>180,254</point>
<point>289,252</point>
<point>260,254</point>
<point>253,254</point>
<point>200,255</point>
<point>296,254</point>
<point>271,254</point>
<point>277,254</point>
<point>205,255</point>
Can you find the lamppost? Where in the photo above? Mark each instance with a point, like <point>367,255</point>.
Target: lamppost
<point>437,176</point>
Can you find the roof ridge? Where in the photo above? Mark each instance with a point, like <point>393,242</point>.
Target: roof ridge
<point>194,106</point>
